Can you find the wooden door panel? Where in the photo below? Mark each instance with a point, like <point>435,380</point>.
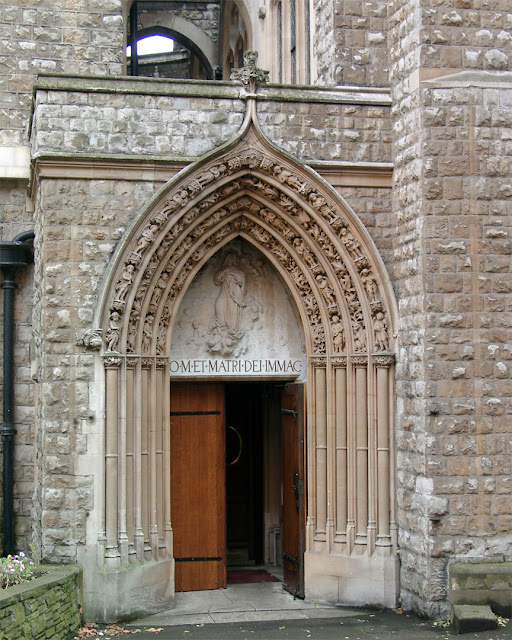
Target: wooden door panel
<point>293,480</point>
<point>198,486</point>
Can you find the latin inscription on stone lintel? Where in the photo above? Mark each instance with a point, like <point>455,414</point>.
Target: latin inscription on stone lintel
<point>238,367</point>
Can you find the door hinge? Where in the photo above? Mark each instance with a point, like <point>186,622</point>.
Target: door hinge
<point>291,559</point>
<point>195,413</point>
<point>290,412</point>
<point>199,559</point>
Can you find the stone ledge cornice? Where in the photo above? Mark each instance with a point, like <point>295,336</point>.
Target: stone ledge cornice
<point>212,89</point>
<point>155,168</point>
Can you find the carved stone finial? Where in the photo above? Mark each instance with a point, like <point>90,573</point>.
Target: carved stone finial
<point>249,75</point>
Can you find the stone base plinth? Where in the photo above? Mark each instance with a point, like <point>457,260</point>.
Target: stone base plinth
<point>113,595</point>
<point>351,580</point>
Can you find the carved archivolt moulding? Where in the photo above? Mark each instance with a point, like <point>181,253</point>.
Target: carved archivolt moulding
<point>254,193</point>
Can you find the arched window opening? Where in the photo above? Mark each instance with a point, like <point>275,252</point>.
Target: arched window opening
<point>166,43</point>
<point>290,42</point>
<point>235,38</point>
<point>164,57</point>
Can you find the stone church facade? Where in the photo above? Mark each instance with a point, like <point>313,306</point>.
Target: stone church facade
<point>203,244</point>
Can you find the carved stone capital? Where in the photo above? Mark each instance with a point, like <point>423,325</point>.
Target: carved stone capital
<point>338,361</point>
<point>318,361</point>
<point>112,362</point>
<point>131,362</point>
<point>383,359</point>
<point>359,361</point>
<point>161,363</point>
<point>147,363</point>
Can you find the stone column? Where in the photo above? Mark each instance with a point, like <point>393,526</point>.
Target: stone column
<point>361,386</point>
<point>383,364</point>
<point>138,534</point>
<point>112,555</point>
<point>152,457</point>
<point>131,364</point>
<point>340,381</point>
<point>321,451</point>
<point>145,456</point>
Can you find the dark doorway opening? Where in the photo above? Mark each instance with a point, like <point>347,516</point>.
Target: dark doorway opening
<point>244,473</point>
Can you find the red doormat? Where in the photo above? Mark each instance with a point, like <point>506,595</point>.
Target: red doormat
<point>246,576</point>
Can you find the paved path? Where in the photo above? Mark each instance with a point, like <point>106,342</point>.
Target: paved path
<point>363,625</point>
<point>266,612</point>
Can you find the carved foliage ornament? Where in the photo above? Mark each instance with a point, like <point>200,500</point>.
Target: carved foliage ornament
<point>252,159</point>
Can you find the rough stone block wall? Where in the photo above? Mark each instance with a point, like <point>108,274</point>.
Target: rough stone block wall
<point>351,42</point>
<point>322,131</point>
<point>468,243</point>
<point>323,42</point>
<point>373,206</point>
<point>452,278</point>
<point>414,488</point>
<point>46,37</point>
<point>464,34</point>
<point>48,607</point>
<point>137,125</point>
<point>99,122</point>
<point>78,225</point>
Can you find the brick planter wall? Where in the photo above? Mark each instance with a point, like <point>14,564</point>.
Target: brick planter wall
<point>47,607</point>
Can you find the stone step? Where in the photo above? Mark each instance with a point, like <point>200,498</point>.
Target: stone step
<point>468,618</point>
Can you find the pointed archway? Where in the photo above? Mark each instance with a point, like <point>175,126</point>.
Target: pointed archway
<point>341,292</point>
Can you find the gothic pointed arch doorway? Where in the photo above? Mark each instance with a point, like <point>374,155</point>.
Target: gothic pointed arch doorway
<point>237,353</point>
<point>343,303</point>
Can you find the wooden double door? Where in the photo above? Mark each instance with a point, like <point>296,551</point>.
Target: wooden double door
<point>218,479</point>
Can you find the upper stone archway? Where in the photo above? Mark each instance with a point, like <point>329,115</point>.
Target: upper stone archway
<point>185,32</point>
<point>317,244</point>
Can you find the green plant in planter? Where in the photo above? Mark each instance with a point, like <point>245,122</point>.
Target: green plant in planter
<point>15,569</point>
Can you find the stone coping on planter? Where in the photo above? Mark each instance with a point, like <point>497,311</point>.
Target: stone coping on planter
<point>52,576</point>
<point>46,607</point>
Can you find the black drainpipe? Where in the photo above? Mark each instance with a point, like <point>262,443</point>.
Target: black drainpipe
<point>14,255</point>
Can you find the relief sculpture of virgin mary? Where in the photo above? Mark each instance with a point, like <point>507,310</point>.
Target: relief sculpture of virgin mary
<point>225,331</point>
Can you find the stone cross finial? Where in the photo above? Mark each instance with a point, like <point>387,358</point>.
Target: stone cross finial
<point>249,75</point>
